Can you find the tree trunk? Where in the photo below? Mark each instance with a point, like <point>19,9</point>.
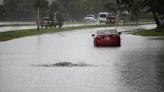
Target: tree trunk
<point>156,19</point>
<point>38,19</point>
<point>136,19</point>
<point>124,20</point>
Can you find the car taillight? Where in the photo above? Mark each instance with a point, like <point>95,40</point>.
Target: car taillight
<point>115,35</point>
<point>98,37</point>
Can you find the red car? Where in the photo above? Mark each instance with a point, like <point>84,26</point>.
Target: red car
<point>107,37</point>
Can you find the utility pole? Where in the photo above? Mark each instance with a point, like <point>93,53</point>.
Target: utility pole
<point>117,14</point>
<point>38,15</point>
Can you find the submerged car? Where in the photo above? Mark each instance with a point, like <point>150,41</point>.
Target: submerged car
<point>107,37</point>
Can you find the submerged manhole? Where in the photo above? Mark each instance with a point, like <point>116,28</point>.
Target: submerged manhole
<point>64,64</point>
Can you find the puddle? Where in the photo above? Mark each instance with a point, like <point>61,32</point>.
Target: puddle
<point>64,64</point>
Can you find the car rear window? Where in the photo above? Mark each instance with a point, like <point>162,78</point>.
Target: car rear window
<point>109,31</point>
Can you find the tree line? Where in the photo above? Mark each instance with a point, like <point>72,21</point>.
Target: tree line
<point>137,7</point>
<point>20,10</point>
<point>16,10</point>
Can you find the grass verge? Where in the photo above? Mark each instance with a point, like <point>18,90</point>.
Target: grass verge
<point>4,36</point>
<point>152,32</point>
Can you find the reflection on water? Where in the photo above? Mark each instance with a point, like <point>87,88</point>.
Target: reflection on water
<point>136,66</point>
<point>160,71</point>
<point>141,71</point>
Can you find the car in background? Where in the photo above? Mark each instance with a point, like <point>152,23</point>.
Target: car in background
<point>102,17</point>
<point>45,22</point>
<point>107,37</point>
<point>90,18</point>
<point>111,20</point>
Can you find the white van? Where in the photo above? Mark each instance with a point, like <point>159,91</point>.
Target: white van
<point>102,17</point>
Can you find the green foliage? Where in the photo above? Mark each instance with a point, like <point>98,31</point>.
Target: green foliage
<point>16,10</point>
<point>74,9</point>
<point>157,8</point>
<point>43,4</point>
<point>136,7</point>
<point>154,6</point>
<point>77,9</point>
<point>11,9</point>
<point>111,6</point>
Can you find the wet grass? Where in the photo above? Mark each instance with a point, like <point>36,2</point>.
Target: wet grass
<point>4,36</point>
<point>153,32</point>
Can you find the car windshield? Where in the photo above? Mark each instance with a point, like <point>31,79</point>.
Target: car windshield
<point>109,31</point>
<point>103,15</point>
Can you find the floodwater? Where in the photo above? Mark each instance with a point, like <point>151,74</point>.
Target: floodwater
<point>53,63</point>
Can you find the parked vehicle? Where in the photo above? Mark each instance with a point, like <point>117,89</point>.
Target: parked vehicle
<point>90,18</point>
<point>107,37</point>
<point>111,20</point>
<point>102,17</point>
<point>47,22</point>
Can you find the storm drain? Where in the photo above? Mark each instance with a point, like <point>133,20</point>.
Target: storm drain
<point>64,64</point>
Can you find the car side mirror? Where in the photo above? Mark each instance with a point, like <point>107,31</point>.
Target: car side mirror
<point>119,33</point>
<point>93,35</point>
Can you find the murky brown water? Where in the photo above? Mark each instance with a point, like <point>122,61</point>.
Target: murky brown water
<point>136,66</point>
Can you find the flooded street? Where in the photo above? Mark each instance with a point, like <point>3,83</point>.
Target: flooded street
<point>33,64</point>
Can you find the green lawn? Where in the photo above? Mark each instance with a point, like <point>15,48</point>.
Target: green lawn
<point>146,20</point>
<point>4,36</point>
<point>152,32</point>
